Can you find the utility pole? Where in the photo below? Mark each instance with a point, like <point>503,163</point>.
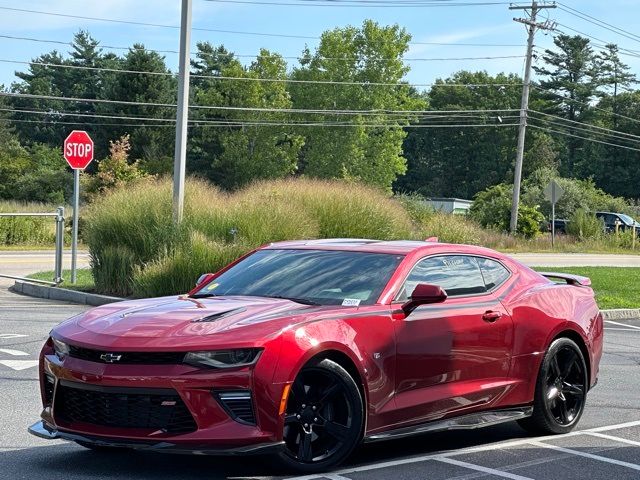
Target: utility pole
<point>182,119</point>
<point>532,26</point>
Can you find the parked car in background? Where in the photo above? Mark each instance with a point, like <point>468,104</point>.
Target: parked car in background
<point>624,222</point>
<point>560,224</point>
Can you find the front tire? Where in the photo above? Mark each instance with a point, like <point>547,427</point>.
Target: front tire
<point>324,418</point>
<point>561,390</point>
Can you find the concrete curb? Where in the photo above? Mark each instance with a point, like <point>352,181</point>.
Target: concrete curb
<point>82,298</point>
<point>621,313</point>
<point>61,294</point>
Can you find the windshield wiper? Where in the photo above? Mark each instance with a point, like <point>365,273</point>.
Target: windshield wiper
<point>203,295</point>
<point>303,301</point>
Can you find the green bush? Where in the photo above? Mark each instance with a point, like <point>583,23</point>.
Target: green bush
<point>529,221</point>
<point>179,270</point>
<point>137,249</point>
<point>585,225</point>
<point>341,208</point>
<point>112,268</point>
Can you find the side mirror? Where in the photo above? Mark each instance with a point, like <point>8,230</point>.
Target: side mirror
<point>205,277</point>
<point>424,294</point>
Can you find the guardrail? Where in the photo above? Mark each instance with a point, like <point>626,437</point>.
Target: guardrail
<point>59,219</point>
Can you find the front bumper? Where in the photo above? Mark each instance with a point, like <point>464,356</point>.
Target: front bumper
<point>215,430</point>
<point>43,430</point>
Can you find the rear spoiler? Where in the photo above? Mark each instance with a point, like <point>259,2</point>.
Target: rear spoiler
<point>576,280</point>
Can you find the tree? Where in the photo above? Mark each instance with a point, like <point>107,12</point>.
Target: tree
<point>572,76</point>
<point>459,162</point>
<point>615,75</point>
<point>149,138</point>
<point>367,147</point>
<point>257,141</point>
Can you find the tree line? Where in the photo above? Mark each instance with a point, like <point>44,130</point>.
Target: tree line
<point>342,110</point>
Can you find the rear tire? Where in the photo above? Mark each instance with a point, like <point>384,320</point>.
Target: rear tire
<point>561,390</point>
<point>324,418</point>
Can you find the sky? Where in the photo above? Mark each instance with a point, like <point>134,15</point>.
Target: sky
<point>489,24</point>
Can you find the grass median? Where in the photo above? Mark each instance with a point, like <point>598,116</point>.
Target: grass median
<point>84,279</point>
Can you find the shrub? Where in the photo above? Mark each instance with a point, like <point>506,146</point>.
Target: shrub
<point>584,225</point>
<point>529,221</point>
<point>131,235</point>
<point>452,229</point>
<point>178,271</point>
<point>492,207</point>
<point>341,209</point>
<point>417,208</point>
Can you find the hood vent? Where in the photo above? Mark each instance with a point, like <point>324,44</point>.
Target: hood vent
<point>218,316</point>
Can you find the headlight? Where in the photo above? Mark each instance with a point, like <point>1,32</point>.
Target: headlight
<point>61,348</point>
<point>223,358</point>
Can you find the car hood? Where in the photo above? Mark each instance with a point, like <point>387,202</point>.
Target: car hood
<point>173,322</point>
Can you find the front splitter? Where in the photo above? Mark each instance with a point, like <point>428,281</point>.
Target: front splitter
<point>43,430</point>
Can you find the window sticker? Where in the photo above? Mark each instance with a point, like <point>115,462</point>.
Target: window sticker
<point>351,302</point>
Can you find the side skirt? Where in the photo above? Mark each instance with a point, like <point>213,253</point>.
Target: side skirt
<point>465,422</point>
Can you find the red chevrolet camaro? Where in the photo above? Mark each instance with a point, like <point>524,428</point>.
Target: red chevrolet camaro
<point>306,349</point>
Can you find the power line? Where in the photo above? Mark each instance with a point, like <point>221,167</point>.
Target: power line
<point>357,3</point>
<point>256,79</point>
<point>238,55</point>
<point>578,102</point>
<point>217,30</point>
<point>600,23</point>
<point>596,127</point>
<point>574,128</point>
<point>550,130</point>
<point>252,109</point>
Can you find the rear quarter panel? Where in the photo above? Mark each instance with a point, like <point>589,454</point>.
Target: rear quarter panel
<point>541,311</point>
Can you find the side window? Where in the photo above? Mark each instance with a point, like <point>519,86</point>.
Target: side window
<point>457,274</point>
<point>494,273</point>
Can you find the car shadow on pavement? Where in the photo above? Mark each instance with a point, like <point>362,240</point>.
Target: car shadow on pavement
<point>69,462</point>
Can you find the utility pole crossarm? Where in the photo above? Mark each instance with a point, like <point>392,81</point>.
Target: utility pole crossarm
<point>532,26</point>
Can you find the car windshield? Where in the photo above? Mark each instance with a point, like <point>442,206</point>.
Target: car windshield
<point>627,219</point>
<point>322,277</point>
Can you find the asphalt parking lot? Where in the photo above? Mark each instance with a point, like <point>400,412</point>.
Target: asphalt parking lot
<point>606,444</point>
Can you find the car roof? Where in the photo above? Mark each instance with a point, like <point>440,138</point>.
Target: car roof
<point>402,247</point>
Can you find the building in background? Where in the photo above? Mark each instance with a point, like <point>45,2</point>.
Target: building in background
<point>457,206</point>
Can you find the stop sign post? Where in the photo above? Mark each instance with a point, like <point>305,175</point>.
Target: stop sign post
<point>78,152</point>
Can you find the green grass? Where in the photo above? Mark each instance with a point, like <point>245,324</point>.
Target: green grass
<point>615,287</point>
<point>84,281</point>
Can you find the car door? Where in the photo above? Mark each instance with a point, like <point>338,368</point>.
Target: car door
<point>453,356</point>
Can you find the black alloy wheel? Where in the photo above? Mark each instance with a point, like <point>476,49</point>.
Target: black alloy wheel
<point>561,390</point>
<point>324,418</point>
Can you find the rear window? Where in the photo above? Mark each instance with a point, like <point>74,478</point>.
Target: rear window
<point>494,273</point>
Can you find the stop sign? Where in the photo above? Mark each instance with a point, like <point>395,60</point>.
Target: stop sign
<point>78,149</point>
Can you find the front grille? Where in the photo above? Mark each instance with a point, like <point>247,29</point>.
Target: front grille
<point>127,358</point>
<point>156,409</point>
<point>238,404</point>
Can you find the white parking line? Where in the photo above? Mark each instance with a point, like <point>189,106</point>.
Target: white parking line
<point>492,471</point>
<point>465,451</point>
<point>599,458</point>
<point>622,324</point>
<point>14,353</point>
<point>611,437</point>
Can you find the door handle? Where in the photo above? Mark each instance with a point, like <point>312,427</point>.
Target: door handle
<point>491,317</point>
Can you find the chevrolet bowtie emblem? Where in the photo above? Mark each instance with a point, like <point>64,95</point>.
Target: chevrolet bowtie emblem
<point>110,357</point>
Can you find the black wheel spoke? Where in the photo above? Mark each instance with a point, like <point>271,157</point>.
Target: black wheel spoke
<point>573,389</point>
<point>555,368</point>
<point>337,431</point>
<point>298,390</point>
<point>330,394</point>
<point>304,450</point>
<point>564,414</point>
<point>569,364</point>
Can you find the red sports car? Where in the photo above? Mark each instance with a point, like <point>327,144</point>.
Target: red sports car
<point>308,348</point>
